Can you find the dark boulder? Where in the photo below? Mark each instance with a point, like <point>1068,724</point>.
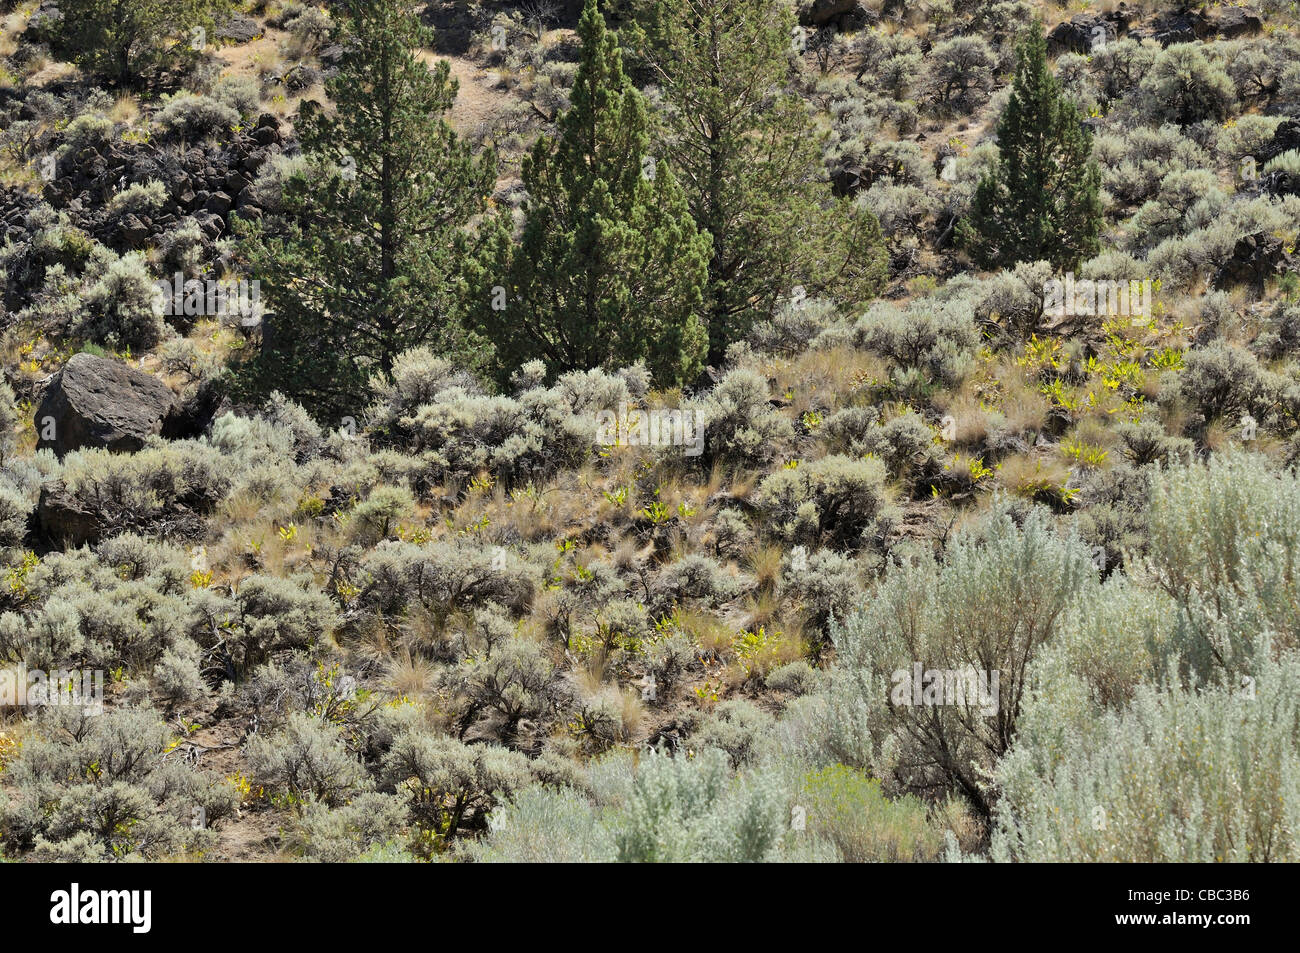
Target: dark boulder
<point>845,14</point>
<point>1280,183</point>
<point>1255,259</point>
<point>1082,34</point>
<point>97,402</point>
<point>218,203</point>
<point>1286,137</point>
<point>1234,22</point>
<point>1183,25</point>
<point>133,231</point>
<point>66,520</point>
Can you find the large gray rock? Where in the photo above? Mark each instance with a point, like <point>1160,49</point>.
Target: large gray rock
<point>97,402</point>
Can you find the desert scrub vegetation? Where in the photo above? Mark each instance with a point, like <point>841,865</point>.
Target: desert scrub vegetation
<point>650,440</point>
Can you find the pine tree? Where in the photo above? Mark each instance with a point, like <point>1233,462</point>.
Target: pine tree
<point>750,161</point>
<point>610,268</point>
<point>1041,200</point>
<point>368,259</point>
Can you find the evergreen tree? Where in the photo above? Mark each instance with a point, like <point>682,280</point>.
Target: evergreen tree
<point>125,40</point>
<point>610,268</point>
<point>1041,200</point>
<point>750,160</point>
<point>368,259</point>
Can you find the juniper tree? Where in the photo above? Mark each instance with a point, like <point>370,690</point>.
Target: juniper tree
<point>125,40</point>
<point>1040,202</point>
<point>367,260</point>
<point>609,268</point>
<point>750,161</point>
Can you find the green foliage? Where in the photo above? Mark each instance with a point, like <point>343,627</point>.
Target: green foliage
<point>15,511</point>
<point>446,781</point>
<point>347,300</point>
<point>748,155</point>
<point>681,809</point>
<point>98,787</point>
<point>440,578</point>
<point>742,427</point>
<point>120,492</point>
<point>1181,775</point>
<point>454,431</point>
<point>516,681</point>
<point>609,269</point>
<point>824,587</point>
<point>377,516</point>
<point>961,74</point>
<point>736,727</point>
<point>544,825</point>
<point>189,117</point>
<point>273,613</point>
<point>996,600</point>
<point>1222,540</point>
<point>126,41</point>
<point>120,307</point>
<point>1224,380</point>
<point>1041,201</point>
<point>847,808</point>
<point>936,339</point>
<point>307,760</point>
<point>424,626</point>
<point>336,835</point>
<point>1184,87</point>
<point>834,501</point>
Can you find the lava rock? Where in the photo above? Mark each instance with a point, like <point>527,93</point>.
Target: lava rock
<point>1285,138</point>
<point>64,519</point>
<point>843,13</point>
<point>1255,259</point>
<point>239,29</point>
<point>1080,35</point>
<point>1234,22</point>
<point>98,402</point>
<point>218,203</point>
<point>1183,25</point>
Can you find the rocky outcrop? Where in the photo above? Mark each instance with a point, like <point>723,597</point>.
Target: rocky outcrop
<point>63,519</point>
<point>239,29</point>
<point>841,14</point>
<point>1280,183</point>
<point>1087,32</point>
<point>1286,137</point>
<point>208,186</point>
<point>1188,25</point>
<point>1255,260</point>
<point>1234,22</point>
<point>97,402</point>
<point>1082,34</point>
